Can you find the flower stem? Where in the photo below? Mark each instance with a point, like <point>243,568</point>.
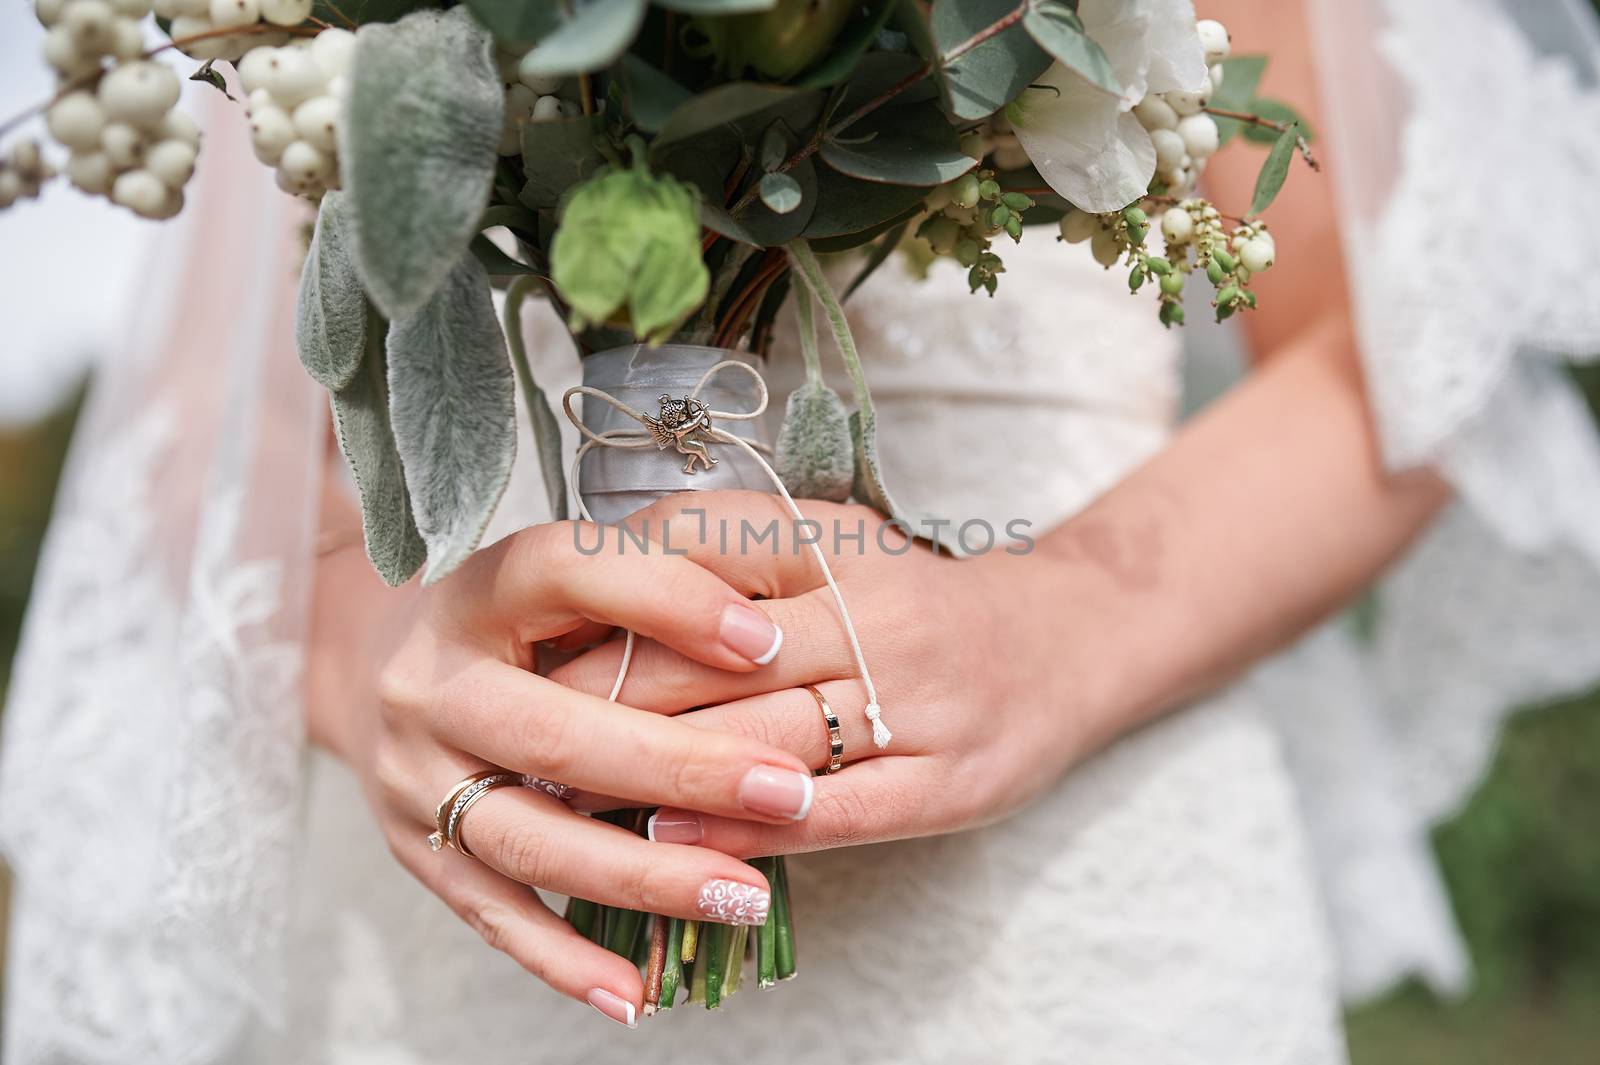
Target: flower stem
<point>697,979</point>
<point>546,430</point>
<point>767,934</point>
<point>733,975</point>
<point>782,919</point>
<point>582,915</point>
<point>691,940</point>
<point>672,963</point>
<point>655,969</point>
<point>715,938</point>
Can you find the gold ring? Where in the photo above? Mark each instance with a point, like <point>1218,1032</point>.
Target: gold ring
<point>835,734</point>
<point>447,815</point>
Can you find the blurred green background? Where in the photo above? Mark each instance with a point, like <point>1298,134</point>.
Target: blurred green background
<point>1522,860</point>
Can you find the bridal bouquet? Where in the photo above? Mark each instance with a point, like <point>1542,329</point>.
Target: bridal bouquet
<point>663,172</point>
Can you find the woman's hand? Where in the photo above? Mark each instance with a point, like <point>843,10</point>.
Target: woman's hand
<point>456,695</point>
<point>968,671</point>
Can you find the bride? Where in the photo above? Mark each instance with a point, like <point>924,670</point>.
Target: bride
<point>1088,840</point>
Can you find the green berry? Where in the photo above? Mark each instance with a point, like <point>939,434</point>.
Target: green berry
<point>967,251</point>
<point>1214,272</point>
<point>989,189</point>
<point>1014,228</point>
<point>1172,284</point>
<point>1016,201</point>
<point>1136,279</point>
<point>1158,265</point>
<point>965,190</point>
<point>1171,314</point>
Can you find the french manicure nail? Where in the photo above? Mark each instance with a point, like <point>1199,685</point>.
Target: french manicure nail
<point>614,1006</point>
<point>673,826</point>
<point>749,633</point>
<point>777,792</point>
<point>732,902</point>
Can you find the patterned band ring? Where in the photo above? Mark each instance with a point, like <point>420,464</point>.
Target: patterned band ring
<point>835,733</point>
<point>465,801</point>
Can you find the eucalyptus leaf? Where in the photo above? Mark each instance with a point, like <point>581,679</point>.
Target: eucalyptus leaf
<point>1274,170</point>
<point>594,36</point>
<point>849,47</point>
<point>1056,28</point>
<point>330,324</point>
<point>851,241</point>
<point>1240,76</point>
<point>984,79</point>
<point>766,227</point>
<point>1273,111</point>
<point>780,192</point>
<point>717,7</point>
<point>496,262</point>
<point>649,95</point>
<point>520,21</point>
<point>361,422</point>
<point>900,146</point>
<point>452,400</point>
<point>417,145</point>
<point>846,205</point>
<point>815,454</point>
<point>727,104</point>
<point>556,155</point>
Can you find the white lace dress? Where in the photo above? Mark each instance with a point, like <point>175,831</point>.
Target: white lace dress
<point>191,889</point>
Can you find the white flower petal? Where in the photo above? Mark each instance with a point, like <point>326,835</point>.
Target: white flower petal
<point>1083,143</point>
<point>1152,44</point>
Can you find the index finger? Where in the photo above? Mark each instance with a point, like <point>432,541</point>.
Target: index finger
<point>527,723</point>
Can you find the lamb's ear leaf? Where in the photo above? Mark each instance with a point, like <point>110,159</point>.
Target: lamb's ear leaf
<point>815,455</point>
<point>361,421</point>
<point>417,148</point>
<point>452,401</point>
<point>330,321</point>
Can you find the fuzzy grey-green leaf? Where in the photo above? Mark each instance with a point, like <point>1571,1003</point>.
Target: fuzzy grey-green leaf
<point>452,399</point>
<point>361,422</point>
<point>815,455</point>
<point>417,146</point>
<point>330,320</point>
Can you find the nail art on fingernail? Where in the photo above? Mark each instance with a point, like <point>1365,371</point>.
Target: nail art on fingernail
<point>616,1007</point>
<point>732,902</point>
<point>673,826</point>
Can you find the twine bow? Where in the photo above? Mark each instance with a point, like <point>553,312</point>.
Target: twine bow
<point>642,437</point>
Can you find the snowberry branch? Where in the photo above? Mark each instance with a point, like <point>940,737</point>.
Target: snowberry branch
<point>994,29</point>
<point>84,80</point>
<point>1267,123</point>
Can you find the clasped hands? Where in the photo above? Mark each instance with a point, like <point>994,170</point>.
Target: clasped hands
<point>710,724</point>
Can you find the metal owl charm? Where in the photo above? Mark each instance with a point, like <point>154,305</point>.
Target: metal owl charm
<point>686,425</point>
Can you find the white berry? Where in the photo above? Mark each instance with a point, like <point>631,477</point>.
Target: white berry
<point>546,109</point>
<point>90,171</point>
<point>1176,225</point>
<point>331,50</point>
<point>140,92</point>
<point>140,191</point>
<point>48,12</point>
<point>1078,226</point>
<point>1256,255</point>
<point>285,12</point>
<point>123,144</point>
<point>171,161</point>
<point>90,22</point>
<point>226,14</point>
<point>76,121</point>
<point>134,9</point>
<point>1169,148</point>
<point>254,67</point>
<point>1199,134</point>
<point>271,131</point>
<point>1155,113</point>
<point>61,51</point>
<point>10,187</point>
<point>317,122</point>
<point>293,76</point>
<point>178,126</point>
<point>1214,39</point>
<point>127,40</point>
<point>304,163</point>
<point>543,84</point>
<point>1104,247</point>
<point>1185,103</point>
